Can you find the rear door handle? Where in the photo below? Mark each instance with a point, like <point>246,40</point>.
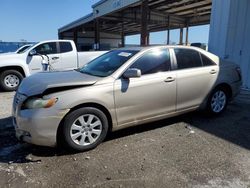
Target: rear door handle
<point>55,58</point>
<point>169,79</point>
<point>213,71</point>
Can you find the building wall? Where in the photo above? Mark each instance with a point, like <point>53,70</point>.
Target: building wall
<point>86,40</point>
<point>229,36</point>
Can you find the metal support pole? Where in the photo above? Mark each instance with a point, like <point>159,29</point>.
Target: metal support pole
<point>75,37</point>
<point>148,37</point>
<point>187,30</point>
<point>97,35</point>
<point>144,23</point>
<point>181,36</point>
<point>168,39</point>
<point>122,34</point>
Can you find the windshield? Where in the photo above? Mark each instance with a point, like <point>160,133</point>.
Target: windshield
<point>25,49</point>
<point>108,63</point>
<point>22,49</point>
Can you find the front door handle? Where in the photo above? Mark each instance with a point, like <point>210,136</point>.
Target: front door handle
<point>55,58</point>
<point>213,71</point>
<point>169,79</point>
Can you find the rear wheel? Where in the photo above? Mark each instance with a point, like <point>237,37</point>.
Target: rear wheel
<point>218,101</point>
<point>84,129</point>
<point>10,80</point>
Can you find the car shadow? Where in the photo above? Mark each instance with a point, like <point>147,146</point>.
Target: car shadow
<point>233,126</point>
<point>12,151</point>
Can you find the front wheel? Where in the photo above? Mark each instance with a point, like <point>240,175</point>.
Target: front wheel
<point>84,129</point>
<point>217,101</point>
<point>10,80</point>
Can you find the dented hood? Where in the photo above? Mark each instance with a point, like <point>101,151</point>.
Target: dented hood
<point>38,83</point>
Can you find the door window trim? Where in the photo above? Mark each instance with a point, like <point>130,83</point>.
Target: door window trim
<point>57,47</point>
<point>207,58</point>
<point>190,68</point>
<point>171,62</point>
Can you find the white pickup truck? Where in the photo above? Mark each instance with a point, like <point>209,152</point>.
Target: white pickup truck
<point>61,55</point>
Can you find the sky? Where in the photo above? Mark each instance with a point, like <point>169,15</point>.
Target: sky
<point>37,20</point>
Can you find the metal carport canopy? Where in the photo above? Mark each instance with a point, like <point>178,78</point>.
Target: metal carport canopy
<point>129,17</point>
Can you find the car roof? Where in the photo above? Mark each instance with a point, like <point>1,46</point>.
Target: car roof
<point>144,48</point>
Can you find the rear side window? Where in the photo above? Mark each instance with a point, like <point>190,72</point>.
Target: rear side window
<point>65,47</point>
<point>46,48</point>
<point>206,61</point>
<point>187,58</point>
<point>154,61</point>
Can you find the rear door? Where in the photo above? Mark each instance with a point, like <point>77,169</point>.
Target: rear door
<point>68,56</point>
<point>196,76</point>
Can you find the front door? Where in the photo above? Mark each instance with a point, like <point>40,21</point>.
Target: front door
<point>47,52</point>
<point>151,95</point>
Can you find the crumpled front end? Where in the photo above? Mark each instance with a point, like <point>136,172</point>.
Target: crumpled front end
<point>36,126</point>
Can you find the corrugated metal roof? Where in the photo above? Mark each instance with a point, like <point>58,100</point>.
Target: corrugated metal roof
<point>181,12</point>
<point>98,3</point>
<point>77,22</point>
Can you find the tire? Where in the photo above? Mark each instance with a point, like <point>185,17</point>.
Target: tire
<point>217,101</point>
<point>10,80</point>
<point>80,133</point>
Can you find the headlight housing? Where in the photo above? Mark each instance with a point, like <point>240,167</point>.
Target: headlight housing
<point>35,103</point>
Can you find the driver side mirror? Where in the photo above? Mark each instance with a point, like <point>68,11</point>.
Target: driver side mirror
<point>33,52</point>
<point>132,73</point>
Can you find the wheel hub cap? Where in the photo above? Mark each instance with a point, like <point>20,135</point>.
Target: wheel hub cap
<point>86,129</point>
<point>11,80</point>
<point>218,101</point>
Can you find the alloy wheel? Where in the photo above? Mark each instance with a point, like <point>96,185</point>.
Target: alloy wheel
<point>218,102</point>
<point>86,130</point>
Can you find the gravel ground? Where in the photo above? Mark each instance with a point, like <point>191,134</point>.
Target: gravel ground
<point>186,151</point>
<point>6,104</point>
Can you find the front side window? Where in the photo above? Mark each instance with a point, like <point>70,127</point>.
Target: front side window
<point>157,60</point>
<point>65,47</point>
<point>46,48</point>
<point>187,58</point>
<point>108,63</point>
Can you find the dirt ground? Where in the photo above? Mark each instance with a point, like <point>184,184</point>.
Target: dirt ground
<point>186,151</point>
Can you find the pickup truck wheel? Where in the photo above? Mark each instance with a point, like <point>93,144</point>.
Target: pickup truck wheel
<point>10,80</point>
<point>84,128</point>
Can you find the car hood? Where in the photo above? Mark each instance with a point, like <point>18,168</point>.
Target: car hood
<point>39,83</point>
<point>7,56</point>
<point>7,53</point>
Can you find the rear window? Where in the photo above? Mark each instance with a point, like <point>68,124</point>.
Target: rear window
<point>65,47</point>
<point>187,58</point>
<point>206,61</point>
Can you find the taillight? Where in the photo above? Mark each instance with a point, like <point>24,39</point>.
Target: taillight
<point>239,73</point>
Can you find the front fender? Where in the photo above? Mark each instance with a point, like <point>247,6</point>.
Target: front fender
<point>15,62</point>
<point>96,94</point>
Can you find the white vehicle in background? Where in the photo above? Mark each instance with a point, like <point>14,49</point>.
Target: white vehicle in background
<point>19,50</point>
<point>23,48</point>
<point>61,55</point>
